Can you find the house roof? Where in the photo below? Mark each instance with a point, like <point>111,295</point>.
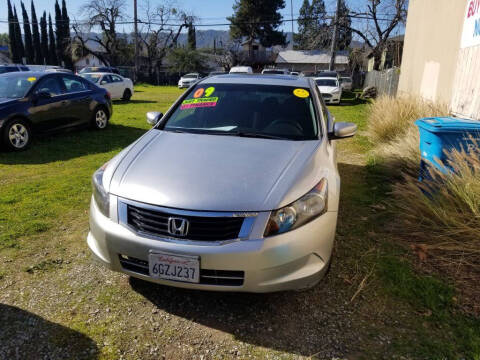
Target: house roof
<point>310,57</point>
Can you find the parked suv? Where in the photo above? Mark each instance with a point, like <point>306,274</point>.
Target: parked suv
<point>236,188</point>
<point>276,71</point>
<point>12,68</point>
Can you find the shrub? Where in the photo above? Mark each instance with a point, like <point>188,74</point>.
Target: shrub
<point>444,212</point>
<point>391,118</point>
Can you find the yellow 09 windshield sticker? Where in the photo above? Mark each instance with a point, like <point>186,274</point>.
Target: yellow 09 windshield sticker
<point>32,79</point>
<point>301,93</point>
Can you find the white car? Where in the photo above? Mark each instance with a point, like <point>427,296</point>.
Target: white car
<point>118,86</point>
<point>347,83</point>
<point>241,70</point>
<point>275,72</point>
<point>188,80</point>
<point>330,89</point>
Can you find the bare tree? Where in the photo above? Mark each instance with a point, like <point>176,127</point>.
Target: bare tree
<point>229,54</point>
<point>377,22</point>
<point>104,15</point>
<point>157,35</point>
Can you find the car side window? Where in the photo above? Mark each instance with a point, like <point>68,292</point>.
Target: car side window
<point>73,84</point>
<point>107,79</point>
<point>116,78</point>
<point>50,86</point>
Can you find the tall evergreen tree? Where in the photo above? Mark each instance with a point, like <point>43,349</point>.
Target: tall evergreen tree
<point>257,20</point>
<point>313,30</point>
<point>192,38</point>
<point>44,38</point>
<point>52,48</point>
<point>344,27</point>
<point>67,53</point>
<point>18,36</point>
<point>36,36</point>
<point>58,32</point>
<point>11,35</point>
<point>27,33</point>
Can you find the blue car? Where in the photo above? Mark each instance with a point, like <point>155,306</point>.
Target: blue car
<point>34,103</point>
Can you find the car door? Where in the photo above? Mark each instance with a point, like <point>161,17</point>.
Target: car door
<point>78,97</point>
<point>47,111</point>
<point>118,85</point>
<point>106,82</point>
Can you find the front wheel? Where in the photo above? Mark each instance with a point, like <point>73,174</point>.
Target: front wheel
<point>127,94</point>
<point>100,118</point>
<point>17,135</point>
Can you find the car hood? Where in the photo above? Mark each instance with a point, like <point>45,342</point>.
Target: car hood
<point>327,89</point>
<point>214,173</point>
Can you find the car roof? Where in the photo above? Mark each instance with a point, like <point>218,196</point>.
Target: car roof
<point>325,78</point>
<point>37,74</point>
<point>280,80</point>
<point>98,73</point>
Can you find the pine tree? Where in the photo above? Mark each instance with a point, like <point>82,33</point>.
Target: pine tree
<point>58,33</point>
<point>18,36</point>
<point>192,38</point>
<point>313,30</point>
<point>44,38</point>
<point>257,20</point>
<point>304,25</point>
<point>36,36</point>
<point>52,48</point>
<point>67,53</point>
<point>344,27</point>
<point>11,35</point>
<point>29,51</point>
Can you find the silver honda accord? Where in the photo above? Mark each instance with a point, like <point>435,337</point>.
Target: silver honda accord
<point>235,188</point>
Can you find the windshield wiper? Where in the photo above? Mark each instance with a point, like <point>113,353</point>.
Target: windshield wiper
<point>257,135</point>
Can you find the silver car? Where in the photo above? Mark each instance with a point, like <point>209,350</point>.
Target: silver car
<point>188,80</point>
<point>236,188</point>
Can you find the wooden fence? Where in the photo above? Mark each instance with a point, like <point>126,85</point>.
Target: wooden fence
<point>385,81</point>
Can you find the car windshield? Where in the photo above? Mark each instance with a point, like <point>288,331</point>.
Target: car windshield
<point>6,69</point>
<point>274,72</point>
<point>190,76</point>
<point>16,85</point>
<point>278,112</point>
<point>92,77</point>
<point>346,79</point>
<point>326,82</point>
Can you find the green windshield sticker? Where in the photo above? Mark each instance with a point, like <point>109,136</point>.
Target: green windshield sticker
<point>209,91</point>
<point>199,103</point>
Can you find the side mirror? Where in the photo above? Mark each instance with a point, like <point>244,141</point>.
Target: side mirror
<point>153,117</point>
<point>342,130</point>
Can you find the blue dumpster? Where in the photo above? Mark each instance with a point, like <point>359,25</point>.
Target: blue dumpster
<point>445,133</point>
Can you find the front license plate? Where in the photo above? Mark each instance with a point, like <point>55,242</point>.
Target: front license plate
<point>174,267</point>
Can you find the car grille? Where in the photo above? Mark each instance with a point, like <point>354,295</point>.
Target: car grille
<point>207,277</point>
<point>326,96</point>
<point>201,228</point>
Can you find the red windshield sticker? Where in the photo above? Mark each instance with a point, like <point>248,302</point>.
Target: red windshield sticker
<point>199,103</point>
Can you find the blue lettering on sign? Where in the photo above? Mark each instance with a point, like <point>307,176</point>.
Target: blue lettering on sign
<point>477,28</point>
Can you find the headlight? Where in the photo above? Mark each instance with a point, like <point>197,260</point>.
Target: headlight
<point>99,194</point>
<point>302,211</point>
<point>335,92</point>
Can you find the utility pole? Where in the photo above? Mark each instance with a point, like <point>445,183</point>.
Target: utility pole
<point>291,12</point>
<point>334,38</point>
<point>135,20</point>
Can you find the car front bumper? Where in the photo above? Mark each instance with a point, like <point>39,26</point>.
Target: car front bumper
<point>332,98</point>
<point>294,260</point>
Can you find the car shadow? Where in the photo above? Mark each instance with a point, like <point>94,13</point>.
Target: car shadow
<point>73,144</point>
<point>315,321</point>
<point>28,336</point>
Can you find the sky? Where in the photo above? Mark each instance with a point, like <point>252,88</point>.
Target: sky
<point>208,12</point>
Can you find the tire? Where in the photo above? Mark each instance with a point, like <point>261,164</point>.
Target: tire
<point>127,94</point>
<point>17,135</point>
<point>100,118</point>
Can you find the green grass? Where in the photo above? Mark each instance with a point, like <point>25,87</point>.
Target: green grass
<point>50,183</point>
<point>44,199</point>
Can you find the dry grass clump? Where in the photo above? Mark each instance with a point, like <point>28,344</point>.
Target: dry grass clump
<point>390,118</point>
<point>444,212</point>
